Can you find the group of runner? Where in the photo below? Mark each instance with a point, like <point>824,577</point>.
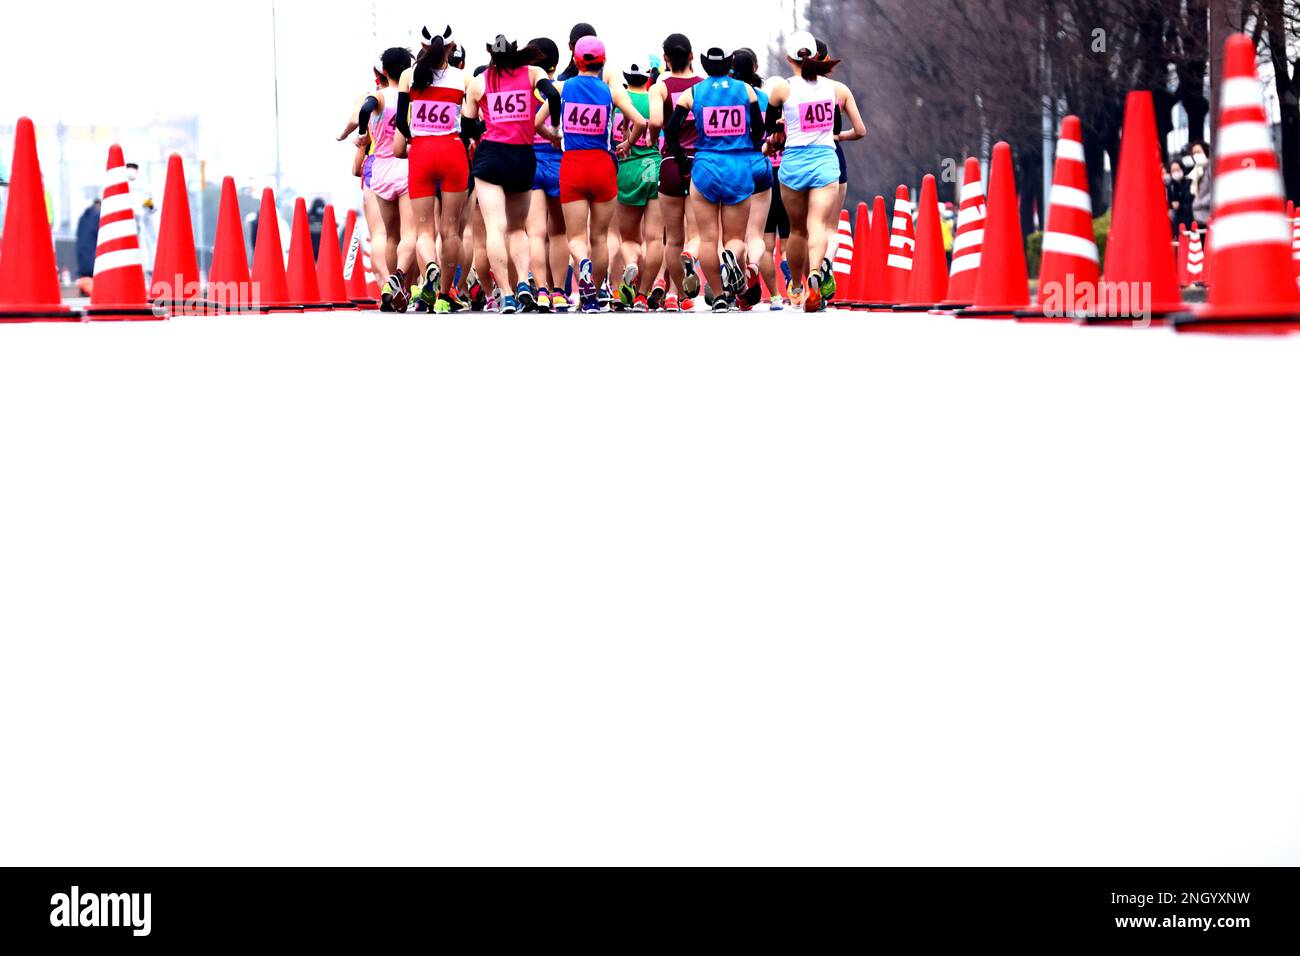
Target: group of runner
<point>514,186</point>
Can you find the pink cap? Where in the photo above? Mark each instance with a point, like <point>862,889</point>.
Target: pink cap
<point>589,50</point>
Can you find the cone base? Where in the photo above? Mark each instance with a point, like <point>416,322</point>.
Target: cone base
<point>952,306</point>
<point>1235,322</point>
<point>342,306</point>
<point>1158,317</point>
<point>914,307</point>
<point>366,303</point>
<point>38,313</point>
<point>990,312</point>
<point>1039,316</point>
<point>110,313</point>
<point>276,309</point>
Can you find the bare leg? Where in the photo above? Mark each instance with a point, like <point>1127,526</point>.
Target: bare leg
<point>674,211</point>
<point>602,214</point>
<point>629,231</point>
<point>652,230</point>
<point>755,248</point>
<point>796,248</point>
<point>378,237</point>
<point>820,203</point>
<point>517,236</point>
<point>706,219</point>
<point>557,241</point>
<point>537,235</point>
<point>449,230</point>
<point>492,205</point>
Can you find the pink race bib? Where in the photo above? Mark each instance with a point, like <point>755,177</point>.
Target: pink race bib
<point>585,119</point>
<point>433,117</point>
<point>724,120</point>
<point>509,107</point>
<point>817,117</point>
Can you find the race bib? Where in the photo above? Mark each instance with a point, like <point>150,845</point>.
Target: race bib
<point>434,117</point>
<point>511,107</point>
<point>585,119</point>
<point>817,117</point>
<point>724,120</point>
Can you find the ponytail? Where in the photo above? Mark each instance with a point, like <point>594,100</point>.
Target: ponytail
<point>677,51</point>
<point>810,68</point>
<point>432,59</point>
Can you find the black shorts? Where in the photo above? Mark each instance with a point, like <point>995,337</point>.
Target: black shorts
<point>671,180</point>
<point>778,220</point>
<point>508,165</point>
<point>844,164</point>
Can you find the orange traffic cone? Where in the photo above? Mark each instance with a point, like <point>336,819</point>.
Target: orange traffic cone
<point>968,243</point>
<point>329,265</point>
<point>861,242</point>
<point>269,277</point>
<point>229,286</point>
<point>304,290</point>
<point>29,274</point>
<point>1067,278</point>
<point>1295,242</point>
<point>119,291</point>
<point>1003,283</point>
<point>372,281</point>
<point>176,267</point>
<point>1184,246</point>
<point>842,266</point>
<point>1254,286</point>
<point>875,278</point>
<point>1195,257</point>
<point>354,273</point>
<point>902,249</point>
<point>1141,277</point>
<point>930,267</point>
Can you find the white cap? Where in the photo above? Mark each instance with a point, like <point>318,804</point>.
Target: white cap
<point>799,41</point>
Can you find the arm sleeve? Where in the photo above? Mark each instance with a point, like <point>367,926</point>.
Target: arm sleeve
<point>756,125</point>
<point>673,134</point>
<point>404,114</point>
<point>548,90</point>
<point>471,129</point>
<point>774,115</point>
<point>363,118</point>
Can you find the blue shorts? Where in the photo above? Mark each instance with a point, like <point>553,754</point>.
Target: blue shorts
<point>723,177</point>
<point>809,167</point>
<point>762,167</point>
<point>844,164</point>
<point>547,176</point>
<point>366,167</point>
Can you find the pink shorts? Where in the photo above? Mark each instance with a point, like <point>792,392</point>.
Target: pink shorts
<point>388,178</point>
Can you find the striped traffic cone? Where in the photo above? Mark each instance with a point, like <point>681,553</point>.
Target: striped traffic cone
<point>902,249</point>
<point>930,265</point>
<point>968,243</point>
<point>1295,242</point>
<point>875,277</point>
<point>861,243</point>
<point>1195,257</point>
<point>842,266</point>
<point>1254,286</point>
<point>1184,244</point>
<point>29,274</point>
<point>119,291</point>
<point>1067,278</point>
<point>354,272</point>
<point>1003,285</point>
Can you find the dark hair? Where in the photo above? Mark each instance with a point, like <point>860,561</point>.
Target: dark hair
<point>513,57</point>
<point>432,59</point>
<point>396,60</point>
<point>457,58</point>
<point>811,68</point>
<point>552,51</point>
<point>480,69</point>
<point>579,31</point>
<point>677,51</point>
<point>745,67</point>
<point>823,51</point>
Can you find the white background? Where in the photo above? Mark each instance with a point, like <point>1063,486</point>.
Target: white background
<point>746,590</point>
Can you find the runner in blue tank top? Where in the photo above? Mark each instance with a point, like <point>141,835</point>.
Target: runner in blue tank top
<point>730,126</point>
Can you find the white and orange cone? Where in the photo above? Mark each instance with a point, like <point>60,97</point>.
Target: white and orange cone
<point>1254,288</point>
<point>119,290</point>
<point>968,243</point>
<point>842,266</point>
<point>1067,278</point>
<point>902,249</point>
<point>1195,257</point>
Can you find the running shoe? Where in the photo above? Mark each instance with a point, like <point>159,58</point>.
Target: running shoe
<point>627,288</point>
<point>509,306</point>
<point>586,283</point>
<point>709,295</point>
<point>543,300</point>
<point>828,286</point>
<point>455,301</point>
<point>640,303</point>
<point>525,299</point>
<point>394,298</point>
<point>796,297</point>
<point>671,304</point>
<point>733,279</point>
<point>657,295</point>
<point>592,303</point>
<point>785,271</point>
<point>721,304</point>
<point>442,306</point>
<point>688,305</point>
<point>812,300</point>
<point>753,293</point>
<point>777,304</point>
<point>560,302</point>
<point>606,297</point>
<point>691,284</point>
<point>478,299</point>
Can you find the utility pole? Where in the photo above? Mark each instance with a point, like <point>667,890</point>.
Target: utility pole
<point>275,67</point>
<point>1049,116</point>
<point>1220,27</point>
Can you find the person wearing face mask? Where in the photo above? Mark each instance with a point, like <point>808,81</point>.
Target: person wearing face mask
<point>1178,192</point>
<point>1201,185</point>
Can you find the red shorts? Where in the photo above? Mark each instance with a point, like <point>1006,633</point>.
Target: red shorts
<point>437,162</point>
<point>588,174</point>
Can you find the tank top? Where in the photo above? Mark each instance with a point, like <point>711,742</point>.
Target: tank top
<point>540,141</point>
<point>676,86</point>
<point>383,128</point>
<point>506,113</point>
<point>721,114</point>
<point>435,110</point>
<point>644,146</point>
<point>809,113</point>
<point>586,114</point>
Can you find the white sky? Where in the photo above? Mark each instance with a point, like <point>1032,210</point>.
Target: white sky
<point>153,59</point>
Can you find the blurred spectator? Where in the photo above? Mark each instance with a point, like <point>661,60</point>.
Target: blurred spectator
<point>143,206</point>
<point>1202,185</point>
<point>1178,193</point>
<point>87,240</point>
<point>948,219</point>
<point>316,222</point>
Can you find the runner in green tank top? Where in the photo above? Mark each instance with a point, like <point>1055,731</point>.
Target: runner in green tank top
<point>640,223</point>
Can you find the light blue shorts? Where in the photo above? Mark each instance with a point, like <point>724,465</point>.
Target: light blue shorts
<point>723,177</point>
<point>809,167</point>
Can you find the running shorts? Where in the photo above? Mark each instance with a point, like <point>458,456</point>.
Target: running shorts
<point>588,174</point>
<point>809,167</point>
<point>638,180</point>
<point>547,177</point>
<point>844,164</point>
<point>671,180</point>
<point>437,165</point>
<point>388,178</point>
<point>762,167</point>
<point>508,165</point>
<point>366,169</point>
<point>778,220</point>
<point>721,177</point>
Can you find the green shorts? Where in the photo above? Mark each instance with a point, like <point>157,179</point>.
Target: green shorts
<point>638,180</point>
